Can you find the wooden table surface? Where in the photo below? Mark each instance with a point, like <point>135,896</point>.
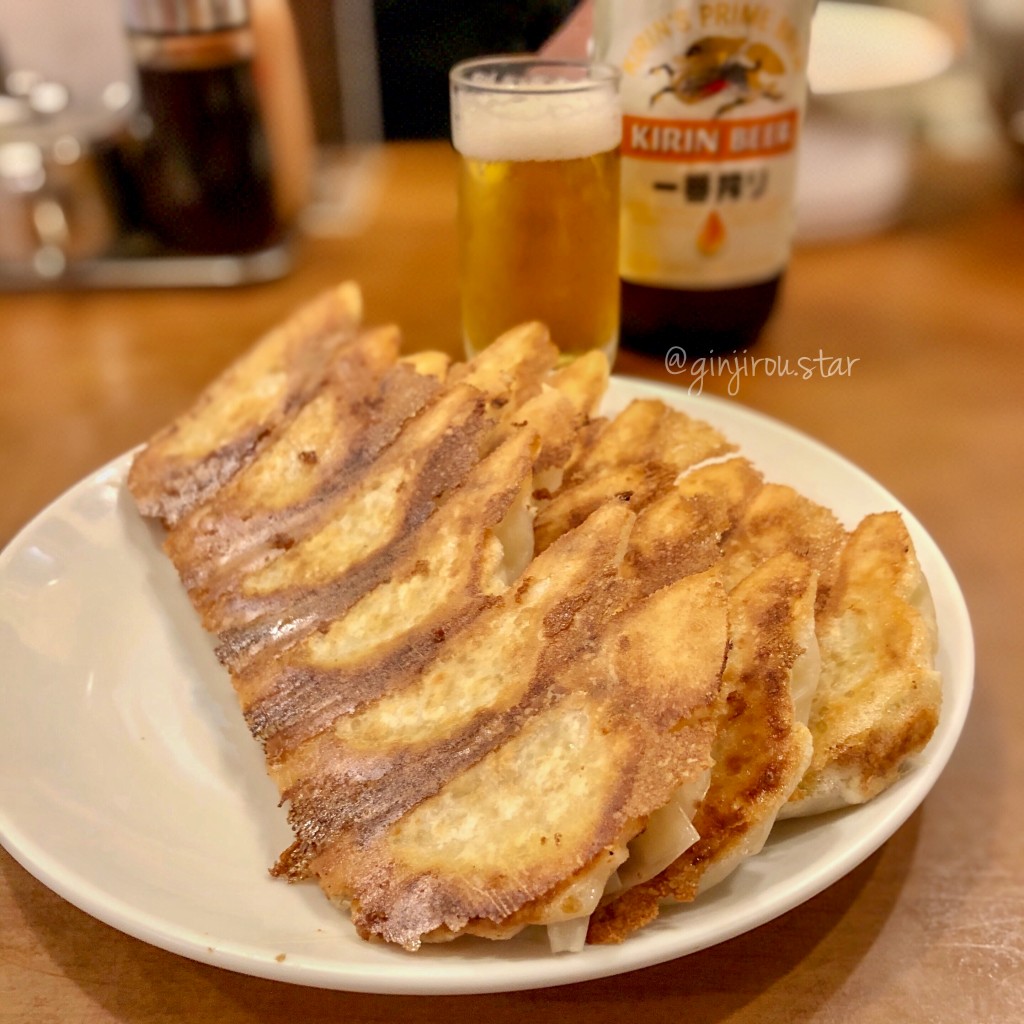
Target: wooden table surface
<point>931,927</point>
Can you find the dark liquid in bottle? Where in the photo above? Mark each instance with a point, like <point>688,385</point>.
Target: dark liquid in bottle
<point>205,173</point>
<point>714,321</point>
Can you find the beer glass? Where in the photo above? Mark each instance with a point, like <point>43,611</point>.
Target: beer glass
<point>538,199</point>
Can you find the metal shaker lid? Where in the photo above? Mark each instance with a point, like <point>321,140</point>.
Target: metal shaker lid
<point>180,17</point>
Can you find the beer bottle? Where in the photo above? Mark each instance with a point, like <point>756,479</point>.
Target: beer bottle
<point>713,94</point>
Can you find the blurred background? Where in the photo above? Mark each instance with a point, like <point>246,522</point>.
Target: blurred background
<point>331,76</point>
<point>376,68</point>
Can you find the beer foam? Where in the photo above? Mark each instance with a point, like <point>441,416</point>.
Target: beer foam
<point>535,125</point>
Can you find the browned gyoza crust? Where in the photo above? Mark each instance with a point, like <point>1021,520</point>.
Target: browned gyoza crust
<point>348,544</point>
<point>780,519</point>
<point>564,658</point>
<point>362,403</point>
<point>879,695</point>
<point>234,416</point>
<point>436,583</point>
<point>472,713</point>
<point>760,750</point>
<point>633,457</point>
<point>333,644</point>
<point>439,722</point>
<point>344,544</point>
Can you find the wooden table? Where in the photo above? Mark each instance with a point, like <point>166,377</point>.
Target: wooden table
<point>930,928</point>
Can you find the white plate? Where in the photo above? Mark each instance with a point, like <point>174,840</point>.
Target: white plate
<point>856,47</point>
<point>130,785</point>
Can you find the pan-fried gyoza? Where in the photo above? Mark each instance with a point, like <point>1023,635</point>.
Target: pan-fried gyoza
<point>513,662</point>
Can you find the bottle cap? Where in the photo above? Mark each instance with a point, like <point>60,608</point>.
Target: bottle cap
<point>181,17</point>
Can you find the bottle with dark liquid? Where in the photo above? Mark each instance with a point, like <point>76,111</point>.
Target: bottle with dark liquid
<point>698,322</point>
<point>713,98</point>
<point>203,162</point>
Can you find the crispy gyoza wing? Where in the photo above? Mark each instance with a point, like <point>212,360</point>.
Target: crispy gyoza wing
<point>233,418</point>
<point>361,405</point>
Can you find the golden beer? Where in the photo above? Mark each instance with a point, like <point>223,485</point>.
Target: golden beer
<point>539,202</point>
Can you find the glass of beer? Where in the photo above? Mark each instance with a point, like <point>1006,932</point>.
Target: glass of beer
<point>538,199</point>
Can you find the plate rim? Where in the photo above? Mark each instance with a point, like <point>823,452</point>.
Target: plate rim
<point>648,948</point>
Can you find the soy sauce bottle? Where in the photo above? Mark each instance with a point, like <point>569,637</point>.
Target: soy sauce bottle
<point>202,161</point>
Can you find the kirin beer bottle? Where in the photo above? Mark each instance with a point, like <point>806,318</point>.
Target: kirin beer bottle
<point>713,95</point>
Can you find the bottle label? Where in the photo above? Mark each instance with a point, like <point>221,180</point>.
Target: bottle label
<point>713,96</point>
